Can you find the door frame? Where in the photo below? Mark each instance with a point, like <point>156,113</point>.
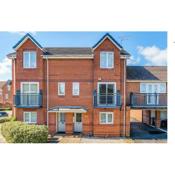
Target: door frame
<point>74,121</point>
<point>57,122</point>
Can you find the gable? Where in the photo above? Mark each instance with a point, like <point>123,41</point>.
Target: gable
<point>24,39</point>
<point>104,38</point>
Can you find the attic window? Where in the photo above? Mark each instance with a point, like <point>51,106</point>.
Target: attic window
<point>106,60</point>
<point>29,59</point>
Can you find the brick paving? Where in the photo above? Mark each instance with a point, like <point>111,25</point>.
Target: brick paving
<point>83,139</point>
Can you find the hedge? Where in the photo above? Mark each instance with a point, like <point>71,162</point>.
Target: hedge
<point>7,119</point>
<point>19,132</point>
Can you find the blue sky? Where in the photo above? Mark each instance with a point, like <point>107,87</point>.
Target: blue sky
<point>146,48</point>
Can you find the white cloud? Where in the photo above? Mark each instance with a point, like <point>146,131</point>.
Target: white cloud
<point>5,69</point>
<point>153,54</point>
<point>133,61</point>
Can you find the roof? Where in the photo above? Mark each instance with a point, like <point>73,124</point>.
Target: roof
<point>79,109</point>
<point>2,83</point>
<point>23,39</point>
<point>147,73</point>
<point>107,35</point>
<point>86,52</point>
<point>68,50</point>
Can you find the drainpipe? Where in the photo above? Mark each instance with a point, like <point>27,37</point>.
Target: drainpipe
<point>47,99</point>
<point>14,82</point>
<point>124,101</point>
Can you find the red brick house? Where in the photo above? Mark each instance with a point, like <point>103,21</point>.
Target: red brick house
<point>1,93</point>
<point>147,91</point>
<point>72,89</point>
<point>6,94</point>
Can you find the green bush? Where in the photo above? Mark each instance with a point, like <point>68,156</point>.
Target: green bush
<point>19,132</point>
<point>7,119</point>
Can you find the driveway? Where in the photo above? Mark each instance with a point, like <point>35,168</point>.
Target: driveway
<point>142,131</point>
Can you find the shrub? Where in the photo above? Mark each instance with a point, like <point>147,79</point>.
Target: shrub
<point>7,119</point>
<point>19,132</point>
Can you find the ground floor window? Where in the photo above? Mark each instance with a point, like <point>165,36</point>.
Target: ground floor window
<point>106,117</point>
<point>30,117</point>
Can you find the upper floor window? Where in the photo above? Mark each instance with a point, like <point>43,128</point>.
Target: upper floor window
<point>107,60</point>
<point>29,59</point>
<point>75,88</point>
<point>153,87</point>
<point>61,88</point>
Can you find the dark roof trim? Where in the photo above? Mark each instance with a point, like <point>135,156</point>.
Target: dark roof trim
<point>23,39</point>
<point>124,53</point>
<point>107,35</point>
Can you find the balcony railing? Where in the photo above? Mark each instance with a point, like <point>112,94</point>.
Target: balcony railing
<point>28,100</point>
<point>107,100</point>
<point>148,100</point>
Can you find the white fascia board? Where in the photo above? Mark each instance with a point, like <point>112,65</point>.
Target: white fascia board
<point>25,41</point>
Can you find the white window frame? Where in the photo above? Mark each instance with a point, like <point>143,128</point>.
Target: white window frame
<point>31,82</point>
<point>107,61</point>
<point>59,83</point>
<point>30,117</point>
<point>74,84</point>
<point>98,91</point>
<point>158,87</point>
<point>29,61</point>
<point>106,113</point>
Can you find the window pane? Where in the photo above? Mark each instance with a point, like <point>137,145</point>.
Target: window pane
<point>26,60</point>
<point>25,88</point>
<point>110,88</point>
<point>33,88</point>
<point>162,88</point>
<point>103,60</point>
<point>61,89</point>
<point>110,60</point>
<point>32,59</point>
<point>102,88</point>
<point>78,117</point>
<point>75,88</point>
<point>103,118</point>
<point>143,88</point>
<point>26,117</point>
<point>109,118</point>
<point>33,117</point>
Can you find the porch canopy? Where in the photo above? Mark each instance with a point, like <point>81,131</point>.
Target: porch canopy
<point>67,109</point>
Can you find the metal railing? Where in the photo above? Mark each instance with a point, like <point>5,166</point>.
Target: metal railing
<point>28,100</point>
<point>148,99</point>
<point>107,100</point>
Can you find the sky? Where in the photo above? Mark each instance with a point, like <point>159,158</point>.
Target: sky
<point>146,48</point>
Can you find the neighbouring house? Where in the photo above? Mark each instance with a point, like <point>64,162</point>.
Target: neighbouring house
<point>1,93</point>
<point>147,91</point>
<point>6,94</point>
<point>73,90</point>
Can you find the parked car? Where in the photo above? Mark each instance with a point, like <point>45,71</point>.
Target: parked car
<point>3,114</point>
